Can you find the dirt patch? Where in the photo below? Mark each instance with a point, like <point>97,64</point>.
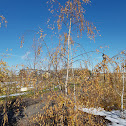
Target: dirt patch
<point>15,109</point>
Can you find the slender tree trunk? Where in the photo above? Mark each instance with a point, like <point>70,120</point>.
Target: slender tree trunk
<point>66,91</point>
<point>122,91</point>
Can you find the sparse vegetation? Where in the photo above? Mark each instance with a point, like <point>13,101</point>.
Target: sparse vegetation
<point>56,90</point>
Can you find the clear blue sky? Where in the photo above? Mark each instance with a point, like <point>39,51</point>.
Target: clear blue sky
<point>109,16</point>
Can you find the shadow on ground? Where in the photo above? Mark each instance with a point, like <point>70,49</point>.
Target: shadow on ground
<point>14,111</point>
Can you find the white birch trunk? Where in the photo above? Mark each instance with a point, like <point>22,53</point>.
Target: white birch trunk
<point>122,92</point>
<point>66,91</point>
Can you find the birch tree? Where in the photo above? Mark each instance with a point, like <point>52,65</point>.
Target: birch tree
<point>123,80</point>
<point>120,69</point>
<point>70,13</point>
